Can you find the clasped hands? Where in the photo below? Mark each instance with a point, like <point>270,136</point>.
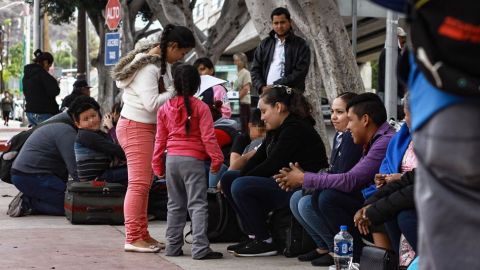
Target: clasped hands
<point>361,221</point>
<point>290,178</point>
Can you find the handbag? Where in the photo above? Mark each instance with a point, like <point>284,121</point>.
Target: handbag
<point>375,258</point>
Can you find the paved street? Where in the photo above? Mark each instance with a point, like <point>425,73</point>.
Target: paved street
<point>46,242</point>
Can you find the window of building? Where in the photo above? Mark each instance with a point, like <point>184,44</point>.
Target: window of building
<point>219,3</point>
<point>199,9</point>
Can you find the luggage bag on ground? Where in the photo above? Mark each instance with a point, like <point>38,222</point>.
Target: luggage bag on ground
<point>94,202</point>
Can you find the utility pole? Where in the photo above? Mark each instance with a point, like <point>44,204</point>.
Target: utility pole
<point>354,27</point>
<point>391,55</point>
<point>36,25</point>
<point>81,44</point>
<point>2,67</point>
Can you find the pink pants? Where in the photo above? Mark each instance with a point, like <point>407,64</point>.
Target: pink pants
<point>137,140</point>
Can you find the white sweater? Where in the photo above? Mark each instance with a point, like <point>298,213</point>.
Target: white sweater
<point>141,99</point>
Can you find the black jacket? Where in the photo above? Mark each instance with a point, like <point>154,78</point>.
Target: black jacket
<point>391,199</point>
<point>40,89</point>
<point>69,99</point>
<point>297,62</point>
<point>381,75</point>
<point>346,155</point>
<point>294,141</point>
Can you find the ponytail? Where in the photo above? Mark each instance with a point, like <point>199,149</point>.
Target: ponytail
<point>163,48</point>
<point>186,81</point>
<point>42,56</point>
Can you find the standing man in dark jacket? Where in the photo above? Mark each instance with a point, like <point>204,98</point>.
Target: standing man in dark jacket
<point>80,88</point>
<point>40,89</point>
<point>281,58</point>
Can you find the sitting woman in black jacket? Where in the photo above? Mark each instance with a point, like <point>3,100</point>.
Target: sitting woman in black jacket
<point>394,205</point>
<point>253,192</point>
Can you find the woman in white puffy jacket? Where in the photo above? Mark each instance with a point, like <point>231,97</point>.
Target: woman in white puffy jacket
<point>145,76</point>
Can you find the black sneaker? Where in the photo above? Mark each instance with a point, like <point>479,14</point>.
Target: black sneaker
<point>310,256</point>
<point>326,260</point>
<point>15,208</point>
<point>212,255</point>
<point>235,247</point>
<point>257,248</point>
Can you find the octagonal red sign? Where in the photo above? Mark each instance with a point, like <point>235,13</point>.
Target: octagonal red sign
<point>113,14</point>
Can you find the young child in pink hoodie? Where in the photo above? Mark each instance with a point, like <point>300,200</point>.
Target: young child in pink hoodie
<point>185,130</point>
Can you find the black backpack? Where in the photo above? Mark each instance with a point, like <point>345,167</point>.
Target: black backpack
<point>158,200</point>
<point>224,226</point>
<point>288,235</point>
<point>15,145</point>
<point>446,40</point>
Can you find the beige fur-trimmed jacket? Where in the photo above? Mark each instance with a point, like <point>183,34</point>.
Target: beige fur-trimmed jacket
<point>138,74</point>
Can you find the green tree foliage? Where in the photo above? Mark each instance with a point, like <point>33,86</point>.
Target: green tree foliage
<point>14,68</point>
<point>65,59</point>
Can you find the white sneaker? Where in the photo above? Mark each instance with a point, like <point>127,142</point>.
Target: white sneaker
<point>149,249</point>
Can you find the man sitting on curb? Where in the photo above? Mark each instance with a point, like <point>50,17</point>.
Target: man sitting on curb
<point>340,194</point>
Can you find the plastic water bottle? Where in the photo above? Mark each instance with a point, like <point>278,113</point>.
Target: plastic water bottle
<point>343,248</point>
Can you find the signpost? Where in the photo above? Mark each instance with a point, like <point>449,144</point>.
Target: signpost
<point>112,40</point>
<point>112,14</point>
<point>112,48</point>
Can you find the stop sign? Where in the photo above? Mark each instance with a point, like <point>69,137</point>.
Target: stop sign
<point>112,14</point>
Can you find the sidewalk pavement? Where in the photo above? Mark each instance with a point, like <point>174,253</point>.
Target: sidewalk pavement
<point>49,242</point>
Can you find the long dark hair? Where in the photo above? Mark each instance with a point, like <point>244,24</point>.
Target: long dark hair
<point>186,81</point>
<point>42,56</point>
<point>295,101</point>
<point>174,33</point>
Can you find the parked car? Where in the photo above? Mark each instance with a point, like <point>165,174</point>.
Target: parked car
<point>18,110</point>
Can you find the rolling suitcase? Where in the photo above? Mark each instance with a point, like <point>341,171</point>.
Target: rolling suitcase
<point>94,202</point>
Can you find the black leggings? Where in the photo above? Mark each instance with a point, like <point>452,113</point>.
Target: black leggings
<point>5,115</point>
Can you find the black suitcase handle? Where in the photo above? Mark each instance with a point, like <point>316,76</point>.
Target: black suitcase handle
<point>99,209</point>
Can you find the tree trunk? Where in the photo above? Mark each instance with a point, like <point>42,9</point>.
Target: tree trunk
<point>81,44</point>
<point>128,29</point>
<point>105,82</point>
<point>233,17</point>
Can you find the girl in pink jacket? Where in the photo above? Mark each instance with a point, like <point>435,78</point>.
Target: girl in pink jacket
<point>185,130</point>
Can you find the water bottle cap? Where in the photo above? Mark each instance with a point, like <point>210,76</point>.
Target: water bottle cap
<point>343,227</point>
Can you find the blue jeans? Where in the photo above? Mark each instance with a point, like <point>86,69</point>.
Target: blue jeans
<point>405,223</point>
<point>213,179</point>
<point>43,193</point>
<point>303,211</point>
<point>37,118</point>
<point>115,175</point>
<point>253,197</point>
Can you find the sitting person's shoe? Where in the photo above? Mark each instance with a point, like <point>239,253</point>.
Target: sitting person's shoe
<point>325,260</point>
<point>257,248</point>
<point>16,207</point>
<point>235,247</point>
<point>310,256</point>
<point>212,255</point>
<point>149,249</point>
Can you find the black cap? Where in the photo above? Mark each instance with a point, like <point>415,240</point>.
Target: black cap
<point>81,84</point>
